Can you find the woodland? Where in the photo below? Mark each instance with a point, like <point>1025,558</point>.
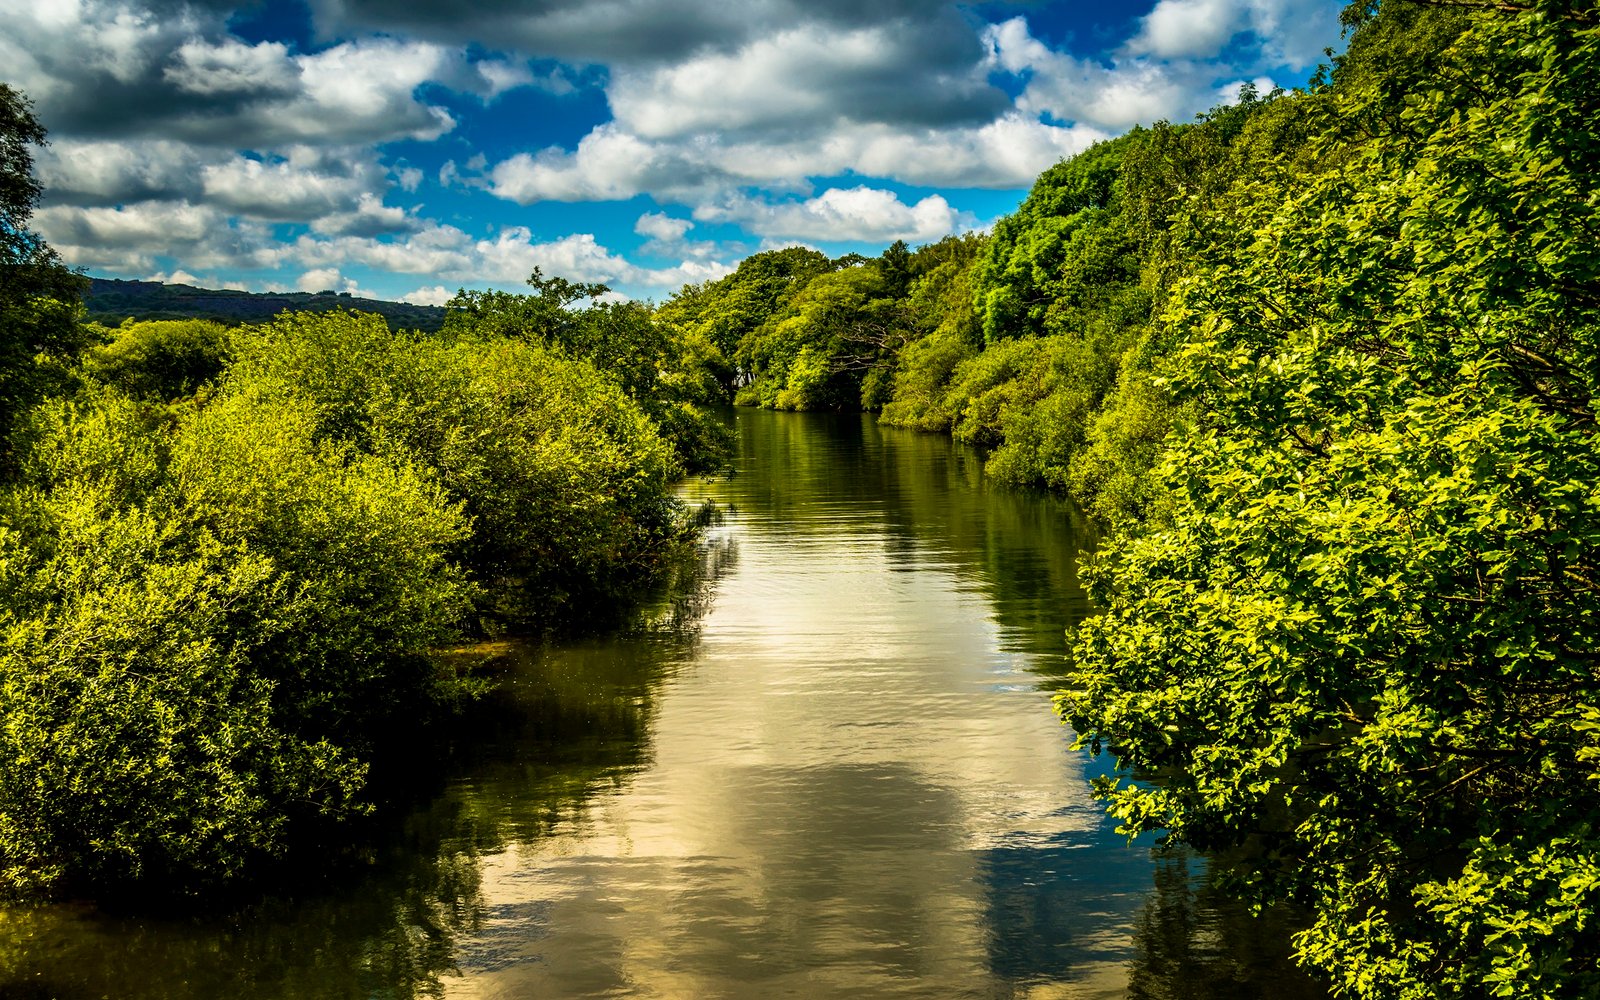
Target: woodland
<point>1322,365</point>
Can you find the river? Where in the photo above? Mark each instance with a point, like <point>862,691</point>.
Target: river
<point>822,765</point>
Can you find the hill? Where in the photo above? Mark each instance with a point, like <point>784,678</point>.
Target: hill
<point>111,301</point>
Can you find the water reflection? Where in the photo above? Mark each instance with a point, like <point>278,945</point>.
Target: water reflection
<point>823,765</point>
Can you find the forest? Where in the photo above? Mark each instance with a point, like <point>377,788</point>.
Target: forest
<point>1320,363</point>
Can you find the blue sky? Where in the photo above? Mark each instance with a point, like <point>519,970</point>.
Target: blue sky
<point>407,150</point>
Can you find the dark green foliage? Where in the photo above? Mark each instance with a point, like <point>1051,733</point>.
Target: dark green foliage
<point>39,329</point>
<point>817,352</point>
<point>113,302</point>
<point>724,312</point>
<point>1063,252</point>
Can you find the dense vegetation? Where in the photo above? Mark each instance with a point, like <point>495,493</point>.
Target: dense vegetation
<point>230,557</point>
<point>1322,362</point>
<point>1325,363</point>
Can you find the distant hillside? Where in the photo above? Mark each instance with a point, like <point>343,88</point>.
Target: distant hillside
<point>110,301</point>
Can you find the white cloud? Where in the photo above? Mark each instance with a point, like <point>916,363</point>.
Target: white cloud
<point>301,185</point>
<point>1134,89</point>
<point>612,164</point>
<point>370,217</point>
<point>507,258</point>
<point>663,227</point>
<point>177,277</point>
<point>365,91</point>
<point>864,214</point>
<point>129,238</point>
<point>99,171</point>
<point>790,77</point>
<point>179,145</point>
<point>1288,32</point>
<point>436,295</point>
<point>1294,32</point>
<point>609,164</point>
<point>202,67</point>
<point>501,75</point>
<point>1188,28</point>
<point>320,279</point>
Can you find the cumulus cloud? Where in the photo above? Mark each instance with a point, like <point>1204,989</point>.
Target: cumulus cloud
<point>109,69</point>
<point>301,185</point>
<point>230,66</point>
<point>863,214</point>
<point>610,31</point>
<point>1290,32</point>
<point>178,277</point>
<point>1189,28</point>
<point>322,279</point>
<point>99,171</point>
<point>370,217</point>
<point>1131,89</point>
<point>612,164</point>
<point>666,239</point>
<point>434,295</point>
<point>1294,32</point>
<point>129,238</point>
<point>811,78</point>
<point>663,227</point>
<point>506,258</point>
<point>180,145</point>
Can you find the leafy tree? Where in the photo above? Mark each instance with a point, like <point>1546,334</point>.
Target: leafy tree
<point>163,360</point>
<point>39,297</point>
<point>818,351</point>
<point>673,373</point>
<point>725,311</point>
<point>1063,249</point>
<point>1363,643</point>
<point>564,478</point>
<point>199,628</point>
<point>545,315</point>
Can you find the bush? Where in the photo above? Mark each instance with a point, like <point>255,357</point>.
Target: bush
<point>162,359</point>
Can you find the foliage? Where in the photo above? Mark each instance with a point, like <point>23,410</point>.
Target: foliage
<point>215,609</point>
<point>563,477</point>
<point>1063,251</point>
<point>199,624</point>
<point>1362,642</point>
<point>113,302</point>
<point>39,311</point>
<point>724,312</point>
<point>816,352</point>
<point>674,374</point>
<point>161,360</point>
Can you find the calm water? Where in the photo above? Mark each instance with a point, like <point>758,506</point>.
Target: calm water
<point>824,765</point>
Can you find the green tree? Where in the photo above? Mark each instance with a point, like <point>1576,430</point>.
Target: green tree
<point>1363,645</point>
<point>724,312</point>
<point>162,360</point>
<point>39,297</point>
<point>200,628</point>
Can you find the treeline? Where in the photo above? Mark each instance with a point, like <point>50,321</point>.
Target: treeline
<point>1038,342</point>
<point>232,559</point>
<point>1325,362</point>
<point>111,302</point>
